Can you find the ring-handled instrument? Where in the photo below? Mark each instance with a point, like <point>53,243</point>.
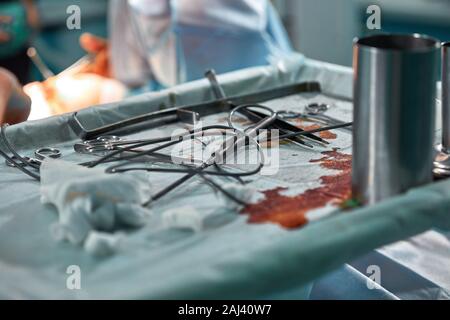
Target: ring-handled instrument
<point>284,127</point>
<point>47,152</point>
<point>218,156</point>
<point>22,163</point>
<point>103,144</point>
<point>314,112</point>
<point>184,113</point>
<point>39,155</point>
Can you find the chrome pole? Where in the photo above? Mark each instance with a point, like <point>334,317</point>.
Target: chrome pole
<point>442,161</point>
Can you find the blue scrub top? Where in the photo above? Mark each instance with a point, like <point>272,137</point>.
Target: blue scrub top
<point>171,42</point>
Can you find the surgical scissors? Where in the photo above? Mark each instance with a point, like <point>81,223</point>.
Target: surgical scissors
<point>40,154</point>
<point>278,123</point>
<point>24,162</point>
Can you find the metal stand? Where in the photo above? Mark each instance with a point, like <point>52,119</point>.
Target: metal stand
<point>442,161</point>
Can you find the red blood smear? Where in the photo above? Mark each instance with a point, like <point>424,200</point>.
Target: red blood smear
<point>324,134</point>
<point>290,212</point>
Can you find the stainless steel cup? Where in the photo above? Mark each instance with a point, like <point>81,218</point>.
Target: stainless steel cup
<point>446,96</point>
<point>442,160</point>
<point>395,80</point>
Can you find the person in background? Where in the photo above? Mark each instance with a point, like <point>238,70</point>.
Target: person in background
<point>155,44</point>
<point>18,19</point>
<point>161,43</point>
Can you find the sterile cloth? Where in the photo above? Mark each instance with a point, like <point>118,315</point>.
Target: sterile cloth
<point>229,257</point>
<point>90,200</point>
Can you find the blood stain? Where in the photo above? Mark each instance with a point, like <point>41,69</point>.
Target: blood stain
<point>290,211</point>
<point>305,125</point>
<point>324,134</point>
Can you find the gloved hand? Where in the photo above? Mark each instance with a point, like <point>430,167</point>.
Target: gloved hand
<point>84,86</point>
<point>99,48</point>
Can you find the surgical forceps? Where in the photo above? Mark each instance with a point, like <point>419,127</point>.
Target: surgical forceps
<point>103,143</point>
<point>314,112</point>
<point>282,126</point>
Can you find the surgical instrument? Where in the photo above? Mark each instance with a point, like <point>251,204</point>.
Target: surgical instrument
<point>40,154</point>
<point>190,172</point>
<point>158,118</point>
<point>19,162</point>
<point>253,115</point>
<point>16,155</point>
<point>218,91</point>
<point>78,65</point>
<point>258,116</point>
<point>215,158</point>
<point>314,112</point>
<point>219,156</point>
<point>328,128</point>
<point>103,143</point>
<point>125,151</point>
<point>285,127</point>
<point>39,63</point>
<point>317,108</point>
<point>47,152</point>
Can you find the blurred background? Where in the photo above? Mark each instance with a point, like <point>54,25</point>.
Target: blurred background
<point>57,47</point>
<point>324,29</point>
<point>321,29</point>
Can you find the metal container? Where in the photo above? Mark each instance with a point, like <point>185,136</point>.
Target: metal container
<point>446,97</point>
<point>442,161</point>
<point>395,80</point>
